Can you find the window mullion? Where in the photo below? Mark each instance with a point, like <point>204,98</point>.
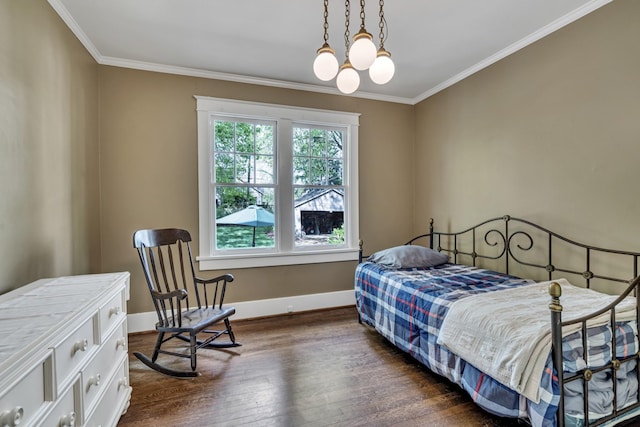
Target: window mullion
<point>352,211</point>
<point>284,195</point>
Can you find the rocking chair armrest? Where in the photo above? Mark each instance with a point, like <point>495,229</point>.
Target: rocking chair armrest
<point>226,277</point>
<point>179,293</point>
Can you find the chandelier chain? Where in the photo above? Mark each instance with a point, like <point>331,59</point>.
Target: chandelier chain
<point>382,25</point>
<point>347,14</point>
<point>362,14</point>
<point>326,21</point>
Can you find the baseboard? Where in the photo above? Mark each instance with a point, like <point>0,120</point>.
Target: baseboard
<point>139,322</point>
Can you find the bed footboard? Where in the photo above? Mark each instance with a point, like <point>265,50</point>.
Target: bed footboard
<point>586,375</point>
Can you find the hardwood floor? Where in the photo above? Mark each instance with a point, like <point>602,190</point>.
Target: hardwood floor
<point>306,369</point>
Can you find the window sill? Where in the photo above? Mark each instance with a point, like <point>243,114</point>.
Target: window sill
<point>270,260</point>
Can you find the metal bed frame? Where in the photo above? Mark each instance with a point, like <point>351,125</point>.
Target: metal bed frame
<point>509,240</point>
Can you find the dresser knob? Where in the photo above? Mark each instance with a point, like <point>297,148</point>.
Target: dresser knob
<point>81,345</point>
<point>114,311</point>
<point>11,418</point>
<point>122,342</point>
<point>94,380</point>
<point>68,420</point>
<point>123,383</point>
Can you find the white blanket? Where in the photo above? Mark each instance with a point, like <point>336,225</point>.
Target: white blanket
<point>507,334</point>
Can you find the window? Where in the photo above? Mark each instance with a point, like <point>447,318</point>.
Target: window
<point>277,184</point>
<point>243,179</point>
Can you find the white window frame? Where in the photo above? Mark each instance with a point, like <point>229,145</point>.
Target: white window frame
<point>285,252</point>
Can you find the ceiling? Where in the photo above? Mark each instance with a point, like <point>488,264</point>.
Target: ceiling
<point>433,43</point>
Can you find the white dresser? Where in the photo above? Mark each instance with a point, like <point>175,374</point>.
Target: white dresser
<point>63,352</point>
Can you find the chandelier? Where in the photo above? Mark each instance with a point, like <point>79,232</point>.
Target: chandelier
<point>360,56</point>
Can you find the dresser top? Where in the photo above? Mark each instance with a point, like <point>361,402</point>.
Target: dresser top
<point>31,314</point>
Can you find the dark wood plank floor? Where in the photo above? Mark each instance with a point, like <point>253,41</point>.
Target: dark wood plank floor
<point>306,369</point>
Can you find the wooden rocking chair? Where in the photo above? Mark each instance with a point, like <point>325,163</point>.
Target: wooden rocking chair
<point>167,262</point>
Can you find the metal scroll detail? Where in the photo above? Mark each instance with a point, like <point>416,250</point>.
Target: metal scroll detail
<point>493,238</point>
<point>512,244</point>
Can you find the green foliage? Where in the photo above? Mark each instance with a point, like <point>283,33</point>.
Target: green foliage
<point>337,236</point>
<point>244,152</point>
<point>233,199</point>
<point>318,158</point>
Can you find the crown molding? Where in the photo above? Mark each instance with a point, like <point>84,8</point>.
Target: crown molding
<point>75,28</point>
<point>195,72</point>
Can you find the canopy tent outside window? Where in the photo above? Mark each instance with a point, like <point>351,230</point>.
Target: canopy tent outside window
<point>251,216</point>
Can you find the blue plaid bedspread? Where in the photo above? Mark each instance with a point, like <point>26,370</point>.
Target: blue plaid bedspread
<point>407,307</point>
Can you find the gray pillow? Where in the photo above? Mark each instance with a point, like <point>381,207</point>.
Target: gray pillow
<point>409,256</point>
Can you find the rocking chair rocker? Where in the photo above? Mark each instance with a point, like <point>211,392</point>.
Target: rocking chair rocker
<point>172,281</point>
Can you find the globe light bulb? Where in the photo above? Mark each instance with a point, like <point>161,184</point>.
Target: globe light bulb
<point>382,69</point>
<point>348,79</point>
<point>325,66</point>
<point>362,52</point>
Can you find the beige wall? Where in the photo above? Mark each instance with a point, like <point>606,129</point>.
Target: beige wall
<point>551,134</point>
<point>149,174</point>
<point>49,205</point>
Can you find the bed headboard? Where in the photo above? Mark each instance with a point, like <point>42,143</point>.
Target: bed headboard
<point>520,247</point>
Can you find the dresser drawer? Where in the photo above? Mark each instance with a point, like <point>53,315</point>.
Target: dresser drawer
<point>116,345</point>
<point>23,402</point>
<point>115,400</point>
<point>66,412</point>
<point>73,351</point>
<point>99,370</point>
<point>112,312</point>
